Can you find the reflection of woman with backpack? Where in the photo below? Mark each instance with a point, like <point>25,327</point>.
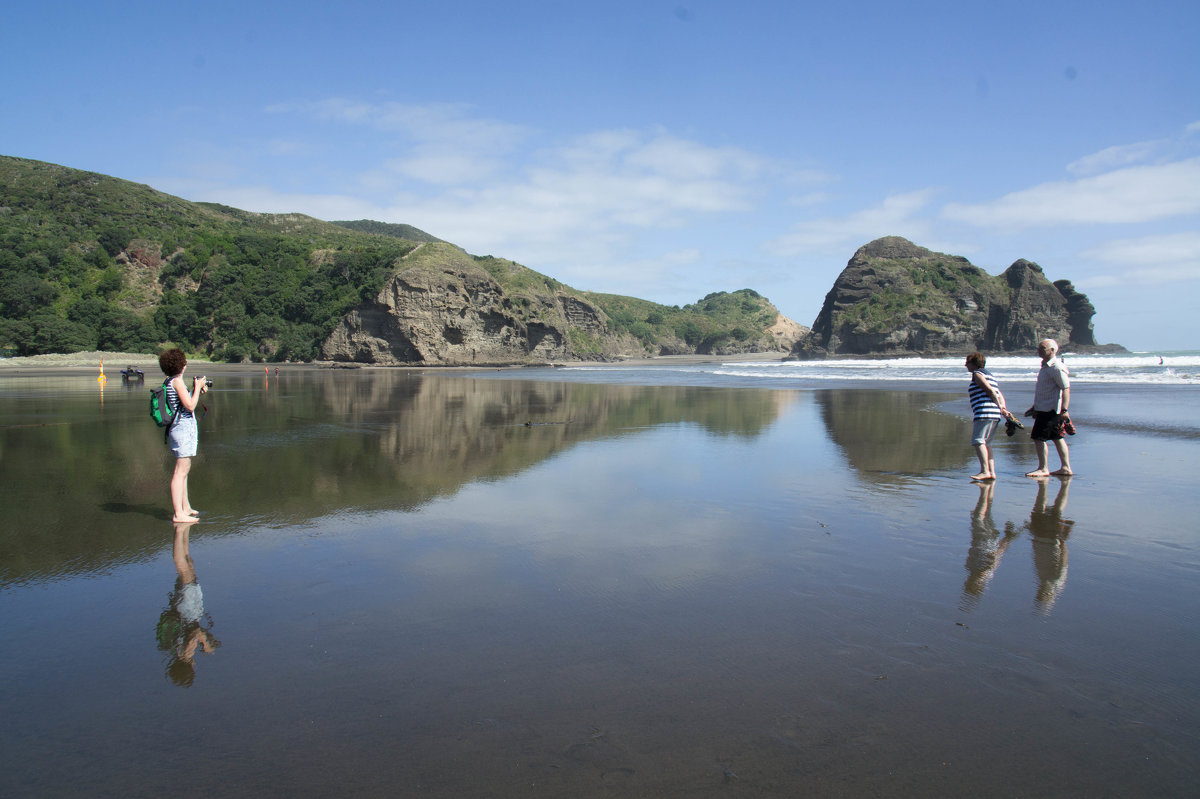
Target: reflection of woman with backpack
<point>183,435</point>
<point>183,627</point>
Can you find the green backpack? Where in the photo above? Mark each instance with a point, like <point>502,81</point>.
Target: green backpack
<point>161,410</point>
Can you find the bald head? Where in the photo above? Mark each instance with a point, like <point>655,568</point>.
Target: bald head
<point>1047,347</point>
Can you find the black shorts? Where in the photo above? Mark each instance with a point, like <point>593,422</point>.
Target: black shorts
<point>1045,426</point>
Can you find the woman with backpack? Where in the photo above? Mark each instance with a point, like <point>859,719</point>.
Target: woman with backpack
<point>183,435</point>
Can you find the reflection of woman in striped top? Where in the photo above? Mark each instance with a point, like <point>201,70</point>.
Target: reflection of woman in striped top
<point>988,410</point>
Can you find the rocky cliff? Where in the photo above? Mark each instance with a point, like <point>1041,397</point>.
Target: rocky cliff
<point>442,308</point>
<point>895,298</point>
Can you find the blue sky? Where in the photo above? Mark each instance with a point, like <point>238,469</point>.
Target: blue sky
<point>661,150</point>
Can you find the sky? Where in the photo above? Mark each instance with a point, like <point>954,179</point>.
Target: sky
<point>664,150</point>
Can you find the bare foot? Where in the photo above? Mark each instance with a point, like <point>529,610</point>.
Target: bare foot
<point>983,476</point>
<point>184,520</point>
<point>193,512</point>
<point>1038,473</point>
<point>1062,473</point>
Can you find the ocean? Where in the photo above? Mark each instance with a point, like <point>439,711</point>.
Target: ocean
<point>1147,393</point>
<point>1181,368</point>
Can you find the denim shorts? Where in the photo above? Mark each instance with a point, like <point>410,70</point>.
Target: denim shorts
<point>184,437</point>
<point>984,430</point>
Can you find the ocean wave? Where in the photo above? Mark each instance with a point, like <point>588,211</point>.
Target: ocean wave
<point>1175,369</point>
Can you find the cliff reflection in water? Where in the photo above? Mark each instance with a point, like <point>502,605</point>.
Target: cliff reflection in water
<point>84,484</point>
<point>395,440</point>
<point>889,435</point>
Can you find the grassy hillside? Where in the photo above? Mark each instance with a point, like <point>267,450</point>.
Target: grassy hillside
<point>388,229</point>
<point>721,322</point>
<point>91,262</point>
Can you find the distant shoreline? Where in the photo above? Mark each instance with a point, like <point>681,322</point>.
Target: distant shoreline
<point>114,362</point>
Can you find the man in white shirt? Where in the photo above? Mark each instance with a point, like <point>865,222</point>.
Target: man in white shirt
<point>1051,398</point>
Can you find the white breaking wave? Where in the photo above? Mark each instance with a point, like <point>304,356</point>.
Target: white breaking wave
<point>1179,368</point>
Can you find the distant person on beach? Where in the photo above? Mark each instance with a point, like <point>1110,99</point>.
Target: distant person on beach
<point>183,434</point>
<point>988,410</point>
<point>1051,400</point>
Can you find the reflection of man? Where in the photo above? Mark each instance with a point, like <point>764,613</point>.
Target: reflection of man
<point>986,546</point>
<point>181,629</point>
<point>1051,398</point>
<point>1049,531</point>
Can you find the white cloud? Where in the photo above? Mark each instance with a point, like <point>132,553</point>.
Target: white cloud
<point>1149,250</point>
<point>435,165</point>
<point>1124,155</point>
<point>477,183</point>
<point>809,200</point>
<point>895,216</point>
<point>1114,158</point>
<point>1123,196</point>
<point>336,109</point>
<point>659,275</point>
<point>1142,277</point>
<point>1167,258</point>
<point>441,143</point>
<point>287,148</point>
<point>588,197</point>
<point>679,159</point>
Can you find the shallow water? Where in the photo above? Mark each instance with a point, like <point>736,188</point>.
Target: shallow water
<point>646,590</point>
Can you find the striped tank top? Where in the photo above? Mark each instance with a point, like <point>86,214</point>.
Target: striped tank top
<point>983,406</point>
<point>173,400</point>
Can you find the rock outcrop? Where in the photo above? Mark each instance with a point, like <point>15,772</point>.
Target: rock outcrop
<point>895,298</point>
<point>446,311</point>
<point>443,307</point>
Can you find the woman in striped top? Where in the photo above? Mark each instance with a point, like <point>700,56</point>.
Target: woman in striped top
<point>988,409</point>
<point>182,434</point>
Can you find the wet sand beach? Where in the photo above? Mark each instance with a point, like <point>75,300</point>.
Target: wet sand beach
<point>440,583</point>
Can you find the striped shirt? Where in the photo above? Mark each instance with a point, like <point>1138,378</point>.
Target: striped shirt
<point>173,400</point>
<point>983,406</point>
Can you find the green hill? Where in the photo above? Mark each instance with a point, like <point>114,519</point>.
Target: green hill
<point>388,229</point>
<point>91,262</point>
<point>722,322</point>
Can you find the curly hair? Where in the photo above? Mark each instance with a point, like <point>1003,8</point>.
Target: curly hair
<point>172,362</point>
<point>977,359</point>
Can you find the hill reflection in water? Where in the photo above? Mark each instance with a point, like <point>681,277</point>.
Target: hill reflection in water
<point>892,436</point>
<point>311,443</point>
